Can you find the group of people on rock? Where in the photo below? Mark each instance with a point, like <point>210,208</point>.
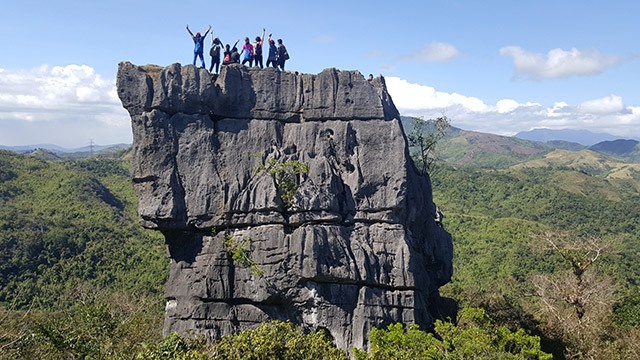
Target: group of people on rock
<point>251,53</point>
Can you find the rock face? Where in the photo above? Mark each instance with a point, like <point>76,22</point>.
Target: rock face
<point>347,242</point>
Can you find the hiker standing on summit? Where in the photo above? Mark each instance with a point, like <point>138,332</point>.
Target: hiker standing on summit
<point>198,41</point>
<point>283,54</point>
<point>257,50</point>
<point>214,52</point>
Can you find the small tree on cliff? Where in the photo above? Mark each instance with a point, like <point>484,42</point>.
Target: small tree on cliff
<point>424,137</point>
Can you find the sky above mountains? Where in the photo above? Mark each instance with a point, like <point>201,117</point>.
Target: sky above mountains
<point>492,66</point>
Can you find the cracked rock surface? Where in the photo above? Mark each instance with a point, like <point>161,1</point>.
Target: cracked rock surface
<point>356,245</point>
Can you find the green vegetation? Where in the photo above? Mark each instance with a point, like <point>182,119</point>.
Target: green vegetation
<point>91,324</point>
<point>475,337</point>
<point>79,278</point>
<point>68,223</point>
<point>241,254</point>
<point>78,275</point>
<point>287,174</point>
<point>270,340</point>
<point>503,268</point>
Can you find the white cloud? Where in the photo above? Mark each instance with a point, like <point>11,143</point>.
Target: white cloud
<point>73,101</point>
<point>415,96</point>
<point>54,88</point>
<point>433,52</point>
<point>508,116</point>
<point>506,105</point>
<point>558,63</point>
<point>606,105</point>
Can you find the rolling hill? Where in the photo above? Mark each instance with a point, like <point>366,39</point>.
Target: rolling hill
<point>488,151</point>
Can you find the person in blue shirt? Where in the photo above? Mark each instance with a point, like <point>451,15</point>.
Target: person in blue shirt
<point>198,41</point>
<point>273,53</point>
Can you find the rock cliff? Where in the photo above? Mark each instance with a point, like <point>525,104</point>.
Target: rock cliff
<point>283,196</point>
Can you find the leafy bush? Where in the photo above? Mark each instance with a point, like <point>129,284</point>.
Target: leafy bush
<point>175,347</point>
<point>276,340</point>
<point>474,337</point>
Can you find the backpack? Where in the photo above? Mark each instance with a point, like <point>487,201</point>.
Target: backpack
<point>286,54</point>
<point>215,51</point>
<point>227,58</point>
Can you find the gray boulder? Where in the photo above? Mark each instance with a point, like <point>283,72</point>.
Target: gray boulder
<point>347,242</point>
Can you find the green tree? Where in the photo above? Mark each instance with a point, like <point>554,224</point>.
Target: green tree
<point>424,137</point>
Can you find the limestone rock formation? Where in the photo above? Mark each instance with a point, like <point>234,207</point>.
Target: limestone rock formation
<point>347,242</point>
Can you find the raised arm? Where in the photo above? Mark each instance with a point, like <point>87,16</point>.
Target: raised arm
<point>262,37</point>
<point>206,32</point>
<point>190,33</point>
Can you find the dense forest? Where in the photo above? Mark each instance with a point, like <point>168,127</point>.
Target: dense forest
<point>546,262</point>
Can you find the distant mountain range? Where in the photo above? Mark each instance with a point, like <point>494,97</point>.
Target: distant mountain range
<point>58,150</point>
<point>583,137</point>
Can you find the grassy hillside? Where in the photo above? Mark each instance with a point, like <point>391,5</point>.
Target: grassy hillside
<point>68,223</point>
<point>481,150</point>
<point>588,162</point>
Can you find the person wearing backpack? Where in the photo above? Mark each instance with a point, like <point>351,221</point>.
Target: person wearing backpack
<point>272,58</point>
<point>198,41</point>
<point>283,55</point>
<point>229,54</point>
<point>246,54</point>
<point>214,52</point>
<point>257,50</point>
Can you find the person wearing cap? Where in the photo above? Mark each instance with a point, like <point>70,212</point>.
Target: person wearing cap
<point>273,53</point>
<point>198,41</point>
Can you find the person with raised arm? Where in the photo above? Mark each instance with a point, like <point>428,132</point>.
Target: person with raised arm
<point>257,50</point>
<point>214,52</point>
<point>247,52</point>
<point>198,42</point>
<point>272,58</point>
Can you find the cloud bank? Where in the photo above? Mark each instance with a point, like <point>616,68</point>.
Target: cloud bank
<point>558,63</point>
<point>508,117</point>
<point>66,105</point>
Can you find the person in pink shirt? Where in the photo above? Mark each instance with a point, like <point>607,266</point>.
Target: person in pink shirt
<point>247,52</point>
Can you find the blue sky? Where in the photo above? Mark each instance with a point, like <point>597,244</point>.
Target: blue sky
<point>491,66</point>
